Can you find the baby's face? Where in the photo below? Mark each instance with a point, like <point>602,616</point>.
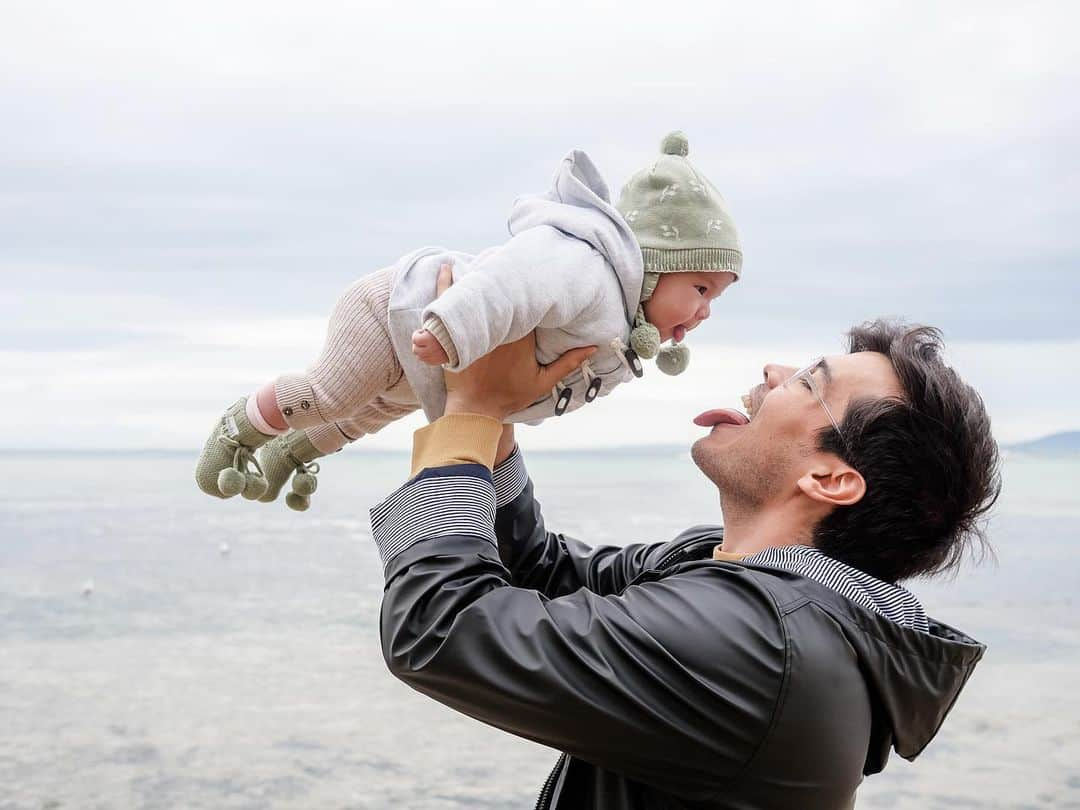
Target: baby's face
<point>681,301</point>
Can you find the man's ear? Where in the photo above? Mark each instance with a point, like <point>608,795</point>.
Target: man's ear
<point>838,486</point>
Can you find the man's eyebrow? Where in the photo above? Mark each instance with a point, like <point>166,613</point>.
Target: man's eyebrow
<point>824,366</point>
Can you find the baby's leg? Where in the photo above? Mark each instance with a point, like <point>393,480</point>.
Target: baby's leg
<point>295,451</point>
<point>357,363</point>
<point>374,416</point>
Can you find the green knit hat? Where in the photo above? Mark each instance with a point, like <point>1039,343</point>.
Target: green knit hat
<point>683,226</point>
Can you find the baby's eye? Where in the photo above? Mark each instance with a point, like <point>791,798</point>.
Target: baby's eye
<point>702,290</point>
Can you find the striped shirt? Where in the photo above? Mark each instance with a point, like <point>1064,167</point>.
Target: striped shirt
<point>894,602</point>
<point>440,501</point>
<point>444,500</point>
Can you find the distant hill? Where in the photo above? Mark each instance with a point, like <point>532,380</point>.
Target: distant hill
<point>1056,444</point>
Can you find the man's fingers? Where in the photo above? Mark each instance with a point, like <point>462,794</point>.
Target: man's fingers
<point>565,364</point>
<point>445,279</point>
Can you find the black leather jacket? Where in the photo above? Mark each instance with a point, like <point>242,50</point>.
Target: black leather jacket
<point>669,679</point>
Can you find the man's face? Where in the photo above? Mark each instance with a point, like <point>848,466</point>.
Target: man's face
<point>755,462</point>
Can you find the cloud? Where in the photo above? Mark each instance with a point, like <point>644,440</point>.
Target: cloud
<point>182,202</point>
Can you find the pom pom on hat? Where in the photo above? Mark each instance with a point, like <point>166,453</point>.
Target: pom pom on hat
<point>644,337</point>
<point>675,143</point>
<point>645,340</point>
<point>673,359</point>
<point>680,220</point>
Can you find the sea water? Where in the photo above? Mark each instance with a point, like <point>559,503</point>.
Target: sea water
<point>162,649</point>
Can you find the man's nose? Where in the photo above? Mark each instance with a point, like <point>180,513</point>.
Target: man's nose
<point>775,374</point>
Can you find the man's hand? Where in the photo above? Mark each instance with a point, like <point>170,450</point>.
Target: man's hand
<point>508,379</point>
<point>507,443</point>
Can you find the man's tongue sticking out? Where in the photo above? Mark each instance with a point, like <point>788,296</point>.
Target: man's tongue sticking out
<point>719,416</point>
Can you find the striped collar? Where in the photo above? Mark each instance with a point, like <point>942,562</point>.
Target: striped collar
<point>894,602</point>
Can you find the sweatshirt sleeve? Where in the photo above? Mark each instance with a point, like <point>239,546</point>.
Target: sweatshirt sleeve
<point>671,682</point>
<point>540,277</point>
<point>434,324</point>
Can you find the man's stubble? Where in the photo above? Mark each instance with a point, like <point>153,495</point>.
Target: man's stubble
<point>746,478</point>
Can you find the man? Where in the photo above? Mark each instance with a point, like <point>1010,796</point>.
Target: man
<point>772,673</point>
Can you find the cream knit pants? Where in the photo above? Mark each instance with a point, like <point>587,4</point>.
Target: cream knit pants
<point>357,386</point>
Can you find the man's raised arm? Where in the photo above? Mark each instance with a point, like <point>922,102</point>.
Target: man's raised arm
<point>550,562</point>
<point>614,680</point>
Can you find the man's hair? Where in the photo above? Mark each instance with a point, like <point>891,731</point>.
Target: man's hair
<point>929,461</point>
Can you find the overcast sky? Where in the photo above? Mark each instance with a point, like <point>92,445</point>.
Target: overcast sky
<point>185,189</point>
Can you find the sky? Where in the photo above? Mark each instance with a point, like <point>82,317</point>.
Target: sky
<point>185,189</point>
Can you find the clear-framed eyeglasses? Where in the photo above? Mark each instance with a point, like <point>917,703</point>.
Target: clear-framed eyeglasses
<point>805,376</point>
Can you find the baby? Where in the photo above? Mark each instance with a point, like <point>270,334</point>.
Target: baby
<point>577,270</point>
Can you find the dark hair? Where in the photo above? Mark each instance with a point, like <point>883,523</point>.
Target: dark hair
<point>929,461</point>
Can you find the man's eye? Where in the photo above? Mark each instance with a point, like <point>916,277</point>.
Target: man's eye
<point>806,383</point>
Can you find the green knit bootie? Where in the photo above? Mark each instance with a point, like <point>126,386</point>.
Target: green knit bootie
<point>290,455</point>
<point>223,468</point>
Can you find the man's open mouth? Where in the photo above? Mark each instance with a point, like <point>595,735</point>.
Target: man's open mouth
<point>728,416</point>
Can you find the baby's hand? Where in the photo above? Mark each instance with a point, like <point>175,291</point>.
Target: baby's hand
<point>428,349</point>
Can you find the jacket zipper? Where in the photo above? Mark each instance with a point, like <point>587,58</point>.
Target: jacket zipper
<point>668,558</point>
<point>543,801</point>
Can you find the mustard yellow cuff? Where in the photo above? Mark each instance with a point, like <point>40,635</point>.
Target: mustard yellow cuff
<point>457,438</point>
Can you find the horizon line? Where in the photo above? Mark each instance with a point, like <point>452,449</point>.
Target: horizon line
<point>610,449</point>
<point>175,451</point>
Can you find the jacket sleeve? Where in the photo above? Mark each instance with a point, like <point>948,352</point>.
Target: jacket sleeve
<point>553,563</point>
<point>556,564</point>
<point>540,277</point>
<point>672,683</point>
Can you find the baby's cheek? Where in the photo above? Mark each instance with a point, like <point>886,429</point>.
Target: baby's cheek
<point>653,314</point>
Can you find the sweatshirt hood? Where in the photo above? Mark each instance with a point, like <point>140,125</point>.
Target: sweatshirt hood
<point>579,205</point>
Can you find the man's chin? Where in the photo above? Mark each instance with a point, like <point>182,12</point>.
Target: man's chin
<point>705,457</point>
<point>720,463</point>
<point>721,437</point>
<point>714,452</point>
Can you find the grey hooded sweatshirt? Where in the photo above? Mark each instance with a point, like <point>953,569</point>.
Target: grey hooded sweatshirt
<point>572,271</point>
<point>667,678</point>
